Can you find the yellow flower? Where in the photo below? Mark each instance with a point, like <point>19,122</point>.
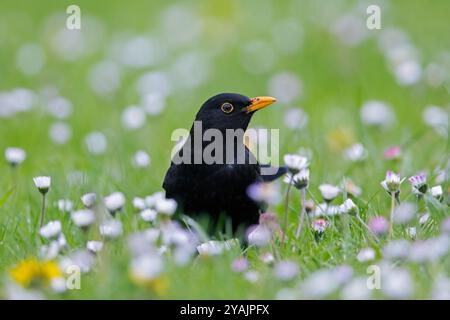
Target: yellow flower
<point>340,138</point>
<point>159,285</point>
<point>32,271</point>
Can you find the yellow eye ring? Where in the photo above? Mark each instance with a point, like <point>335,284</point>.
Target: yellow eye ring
<point>227,107</point>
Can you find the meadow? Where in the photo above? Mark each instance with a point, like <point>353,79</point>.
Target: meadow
<point>94,109</point>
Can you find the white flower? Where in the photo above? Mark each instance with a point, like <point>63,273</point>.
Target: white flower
<point>166,206</point>
<point>285,270</point>
<point>65,205</point>
<point>43,183</point>
<point>366,254</point>
<point>58,285</point>
<point>111,229</point>
<point>83,259</point>
<point>377,113</point>
<point>295,118</point>
<point>151,200</point>
<point>286,86</point>
<point>139,203</point>
<point>144,242</point>
<point>356,289</point>
<point>141,159</point>
<point>96,142</point>
<point>329,192</point>
<point>300,180</point>
<point>51,229</point>
<point>404,213</point>
<point>153,103</point>
<point>133,118</point>
<point>320,283</point>
<point>146,267</point>
<point>148,215</point>
<point>295,162</point>
<point>397,283</point>
<point>83,218</point>
<point>437,118</point>
<point>251,276</point>
<point>51,251</point>
<point>436,191</point>
<point>114,202</point>
<point>60,132</point>
<point>59,107</point>
<point>211,248</point>
<point>412,232</point>
<point>424,218</point>
<point>430,250</point>
<point>267,258</point>
<point>408,72</point>
<point>15,156</point>
<point>260,236</point>
<point>348,207</point>
<point>89,199</point>
<point>396,249</point>
<point>356,152</point>
<point>392,182</point>
<point>94,246</point>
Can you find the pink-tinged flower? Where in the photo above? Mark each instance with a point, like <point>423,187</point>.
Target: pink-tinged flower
<point>239,265</point>
<point>319,226</point>
<point>419,183</point>
<point>379,225</point>
<point>392,153</point>
<point>392,181</point>
<point>269,220</point>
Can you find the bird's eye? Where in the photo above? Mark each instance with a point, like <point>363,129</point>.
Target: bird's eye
<point>227,107</point>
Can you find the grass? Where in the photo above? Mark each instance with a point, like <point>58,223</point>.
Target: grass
<point>336,79</point>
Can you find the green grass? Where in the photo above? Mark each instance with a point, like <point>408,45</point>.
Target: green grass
<point>336,79</point>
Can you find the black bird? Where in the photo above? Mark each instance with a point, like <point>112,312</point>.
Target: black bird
<point>219,187</point>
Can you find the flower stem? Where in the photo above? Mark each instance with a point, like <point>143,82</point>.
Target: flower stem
<point>391,224</point>
<point>302,214</point>
<point>286,210</point>
<point>41,223</point>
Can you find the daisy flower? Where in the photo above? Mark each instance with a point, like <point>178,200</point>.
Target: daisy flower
<point>51,229</point>
<point>15,156</point>
<point>295,162</point>
<point>114,202</point>
<point>329,192</point>
<point>419,183</point>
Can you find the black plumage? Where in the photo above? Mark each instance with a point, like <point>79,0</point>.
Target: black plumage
<point>220,187</point>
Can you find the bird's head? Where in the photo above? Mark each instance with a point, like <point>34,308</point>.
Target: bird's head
<point>230,111</point>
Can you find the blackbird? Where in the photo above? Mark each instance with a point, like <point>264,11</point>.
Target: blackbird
<point>218,187</point>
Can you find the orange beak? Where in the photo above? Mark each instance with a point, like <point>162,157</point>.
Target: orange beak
<point>258,103</point>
